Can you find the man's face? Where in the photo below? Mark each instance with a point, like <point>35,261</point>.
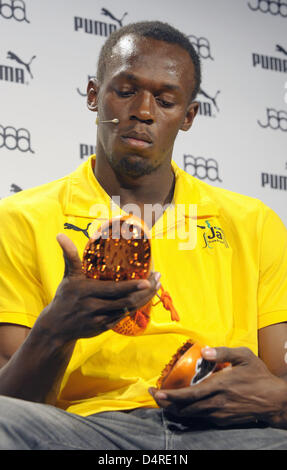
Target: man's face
<point>147,86</point>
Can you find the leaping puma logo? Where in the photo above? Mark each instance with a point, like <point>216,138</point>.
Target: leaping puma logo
<point>281,49</point>
<point>108,13</point>
<point>78,229</point>
<point>15,188</point>
<point>210,97</point>
<point>12,56</point>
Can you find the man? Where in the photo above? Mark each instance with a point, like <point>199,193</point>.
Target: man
<point>68,380</point>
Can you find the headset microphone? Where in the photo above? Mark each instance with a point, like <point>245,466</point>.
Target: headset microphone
<point>114,121</point>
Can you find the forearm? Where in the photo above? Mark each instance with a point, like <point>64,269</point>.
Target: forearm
<point>81,308</point>
<point>278,403</point>
<point>36,369</point>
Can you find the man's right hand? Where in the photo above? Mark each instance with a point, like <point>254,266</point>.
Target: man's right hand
<point>84,307</point>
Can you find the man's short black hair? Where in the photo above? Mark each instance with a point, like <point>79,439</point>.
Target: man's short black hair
<point>155,30</point>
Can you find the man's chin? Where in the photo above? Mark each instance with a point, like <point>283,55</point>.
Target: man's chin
<point>133,166</point>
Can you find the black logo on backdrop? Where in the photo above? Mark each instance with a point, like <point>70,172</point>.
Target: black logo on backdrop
<point>87,150</point>
<point>98,28</point>
<point>16,74</point>
<point>201,168</point>
<point>274,7</point>
<point>275,120</point>
<point>201,46</point>
<point>281,49</point>
<point>15,9</point>
<point>14,188</point>
<point>15,139</point>
<point>274,181</point>
<point>108,13</point>
<point>12,56</point>
<point>206,108</point>
<point>266,62</point>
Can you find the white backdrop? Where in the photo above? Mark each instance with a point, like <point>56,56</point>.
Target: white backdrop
<point>48,49</point>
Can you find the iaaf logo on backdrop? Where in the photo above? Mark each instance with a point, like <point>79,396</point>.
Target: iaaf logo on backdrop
<point>274,7</point>
<point>201,168</point>
<point>16,74</point>
<point>13,9</point>
<point>201,46</point>
<point>275,120</point>
<point>15,139</point>
<point>278,64</point>
<point>96,27</point>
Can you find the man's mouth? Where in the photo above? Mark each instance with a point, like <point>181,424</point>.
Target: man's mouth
<point>137,139</point>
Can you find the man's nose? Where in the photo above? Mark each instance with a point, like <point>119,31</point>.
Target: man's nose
<point>143,108</point>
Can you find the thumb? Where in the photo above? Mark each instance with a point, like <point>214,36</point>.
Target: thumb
<point>223,355</point>
<point>73,264</point>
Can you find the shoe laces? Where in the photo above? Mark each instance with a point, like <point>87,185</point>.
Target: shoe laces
<point>166,300</point>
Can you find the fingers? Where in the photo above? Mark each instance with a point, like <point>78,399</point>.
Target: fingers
<point>225,396</point>
<point>182,396</point>
<point>160,397</point>
<point>104,312</point>
<point>119,295</point>
<point>73,264</point>
<point>214,384</point>
<point>235,356</point>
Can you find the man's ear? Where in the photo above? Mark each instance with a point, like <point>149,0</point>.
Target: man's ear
<point>92,94</point>
<point>189,116</point>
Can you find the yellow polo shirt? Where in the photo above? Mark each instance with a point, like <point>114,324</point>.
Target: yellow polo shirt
<point>225,282</point>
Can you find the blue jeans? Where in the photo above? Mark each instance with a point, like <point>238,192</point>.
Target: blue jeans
<point>25,425</point>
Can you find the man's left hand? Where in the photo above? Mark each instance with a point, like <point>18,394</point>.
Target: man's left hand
<point>245,392</point>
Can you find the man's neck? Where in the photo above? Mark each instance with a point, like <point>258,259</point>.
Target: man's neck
<point>156,188</point>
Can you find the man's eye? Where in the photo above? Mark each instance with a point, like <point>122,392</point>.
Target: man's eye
<point>124,93</point>
<point>164,103</point>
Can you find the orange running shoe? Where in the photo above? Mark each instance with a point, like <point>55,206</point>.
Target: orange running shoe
<point>122,252</point>
<point>187,367</point>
